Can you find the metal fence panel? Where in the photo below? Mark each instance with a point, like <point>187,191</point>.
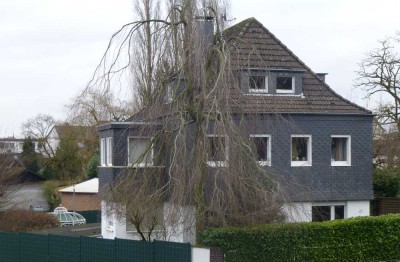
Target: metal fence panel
<point>97,250</point>
<point>91,216</point>
<point>64,249</point>
<point>9,243</point>
<point>33,247</point>
<point>132,250</point>
<point>23,247</point>
<point>172,252</point>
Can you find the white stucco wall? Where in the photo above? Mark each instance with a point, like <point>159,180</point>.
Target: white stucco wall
<point>302,211</point>
<point>200,254</point>
<point>357,208</point>
<point>298,211</point>
<point>182,230</point>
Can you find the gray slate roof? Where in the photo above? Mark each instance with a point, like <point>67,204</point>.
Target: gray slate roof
<point>253,46</point>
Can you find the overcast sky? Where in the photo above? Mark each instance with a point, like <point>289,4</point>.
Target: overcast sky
<point>49,49</point>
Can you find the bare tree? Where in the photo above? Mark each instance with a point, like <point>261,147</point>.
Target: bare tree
<point>38,128</point>
<point>209,173</point>
<point>93,107</point>
<point>8,174</point>
<point>379,73</point>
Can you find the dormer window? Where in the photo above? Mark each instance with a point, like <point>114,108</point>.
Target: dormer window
<point>285,84</point>
<point>258,82</point>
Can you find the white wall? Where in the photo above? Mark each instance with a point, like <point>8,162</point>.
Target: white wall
<point>200,254</point>
<point>298,211</point>
<point>357,208</point>
<point>302,211</point>
<point>182,230</point>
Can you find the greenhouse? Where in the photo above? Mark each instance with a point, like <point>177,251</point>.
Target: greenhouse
<point>67,218</point>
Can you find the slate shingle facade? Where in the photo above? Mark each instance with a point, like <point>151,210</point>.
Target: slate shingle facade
<point>313,109</point>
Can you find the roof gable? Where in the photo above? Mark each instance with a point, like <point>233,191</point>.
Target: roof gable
<point>253,46</point>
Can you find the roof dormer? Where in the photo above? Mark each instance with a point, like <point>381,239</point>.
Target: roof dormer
<point>262,81</point>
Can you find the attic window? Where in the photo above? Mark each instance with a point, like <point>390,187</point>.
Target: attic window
<point>258,82</point>
<point>285,84</point>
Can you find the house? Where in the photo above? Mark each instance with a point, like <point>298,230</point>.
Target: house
<point>81,197</point>
<point>317,143</point>
<point>82,134</point>
<point>12,145</point>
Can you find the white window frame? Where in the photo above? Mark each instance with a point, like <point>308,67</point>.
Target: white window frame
<point>259,90</point>
<point>151,152</point>
<point>348,151</point>
<point>109,151</point>
<point>268,162</point>
<point>284,91</point>
<point>332,206</point>
<point>308,162</point>
<point>103,152</point>
<point>219,163</point>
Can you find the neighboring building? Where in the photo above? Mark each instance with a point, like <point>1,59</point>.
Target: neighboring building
<point>12,145</point>
<point>82,134</point>
<point>81,197</point>
<point>318,143</point>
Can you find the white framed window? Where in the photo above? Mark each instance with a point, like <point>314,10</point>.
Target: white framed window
<point>102,151</point>
<point>258,82</point>
<point>301,150</point>
<point>285,84</point>
<point>262,145</point>
<point>109,149</point>
<point>340,150</point>
<point>217,155</point>
<point>326,211</point>
<point>106,151</point>
<point>140,151</point>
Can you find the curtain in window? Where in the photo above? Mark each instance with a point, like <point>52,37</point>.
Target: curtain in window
<point>139,151</point>
<point>299,148</point>
<point>339,149</point>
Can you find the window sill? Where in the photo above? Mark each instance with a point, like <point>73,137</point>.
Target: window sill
<point>300,163</point>
<point>264,163</point>
<point>285,91</point>
<point>257,91</point>
<point>340,163</point>
<point>217,163</point>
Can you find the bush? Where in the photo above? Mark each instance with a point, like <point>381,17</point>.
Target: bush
<point>357,239</point>
<point>386,182</point>
<point>51,194</point>
<point>25,221</point>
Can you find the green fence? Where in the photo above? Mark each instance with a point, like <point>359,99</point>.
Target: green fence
<point>91,216</point>
<point>21,247</point>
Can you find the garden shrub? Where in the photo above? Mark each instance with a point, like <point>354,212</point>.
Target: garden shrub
<point>26,220</point>
<point>356,239</point>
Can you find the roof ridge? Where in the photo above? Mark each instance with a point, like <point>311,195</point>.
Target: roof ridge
<point>254,20</point>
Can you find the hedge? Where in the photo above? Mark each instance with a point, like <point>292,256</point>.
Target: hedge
<point>356,239</point>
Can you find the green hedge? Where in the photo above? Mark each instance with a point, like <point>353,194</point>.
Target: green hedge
<point>356,239</point>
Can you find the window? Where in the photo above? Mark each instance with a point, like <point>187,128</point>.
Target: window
<point>341,151</point>
<point>258,83</point>
<point>301,150</point>
<point>218,152</point>
<point>106,151</point>
<point>285,84</point>
<point>140,151</point>
<point>325,213</point>
<point>109,151</point>
<point>262,145</point>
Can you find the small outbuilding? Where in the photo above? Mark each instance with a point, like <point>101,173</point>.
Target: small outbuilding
<point>81,197</point>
